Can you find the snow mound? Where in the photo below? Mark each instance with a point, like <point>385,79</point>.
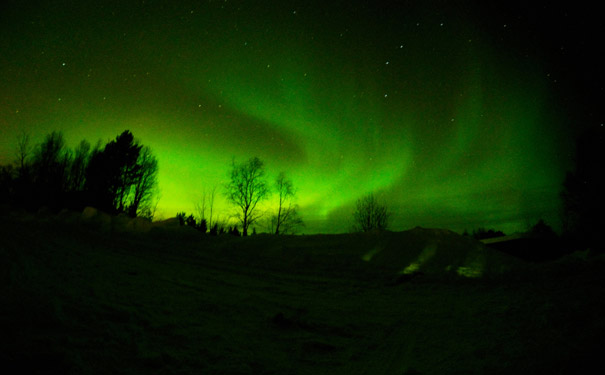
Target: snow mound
<point>437,252</point>
<point>121,223</point>
<point>96,218</point>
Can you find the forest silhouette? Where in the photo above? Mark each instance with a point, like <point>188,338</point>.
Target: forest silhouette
<point>120,177</point>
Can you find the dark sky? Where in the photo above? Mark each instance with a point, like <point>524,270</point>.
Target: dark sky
<point>458,114</point>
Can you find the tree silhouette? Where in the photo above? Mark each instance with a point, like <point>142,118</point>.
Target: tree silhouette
<point>122,176</point>
<point>23,153</point>
<point>246,188</point>
<point>22,188</point>
<point>110,172</point>
<point>286,218</point>
<point>125,154</point>
<point>206,203</point>
<point>144,182</point>
<point>119,177</point>
<point>482,233</point>
<point>50,162</point>
<point>370,214</point>
<point>77,169</point>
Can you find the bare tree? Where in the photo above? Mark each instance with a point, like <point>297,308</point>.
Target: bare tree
<point>370,214</point>
<point>206,203</point>
<point>22,187</point>
<point>246,188</point>
<point>200,206</point>
<point>149,209</point>
<point>286,218</point>
<point>23,152</point>
<point>78,165</point>
<point>50,161</point>
<point>144,182</point>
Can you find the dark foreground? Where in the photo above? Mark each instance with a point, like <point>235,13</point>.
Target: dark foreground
<point>78,300</point>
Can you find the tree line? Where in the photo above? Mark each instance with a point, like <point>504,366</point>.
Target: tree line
<point>118,177</point>
<point>121,177</point>
<point>246,189</point>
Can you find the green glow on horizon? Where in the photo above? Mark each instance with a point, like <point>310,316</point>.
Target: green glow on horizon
<point>450,138</point>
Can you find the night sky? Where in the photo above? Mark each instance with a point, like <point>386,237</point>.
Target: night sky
<point>458,115</point>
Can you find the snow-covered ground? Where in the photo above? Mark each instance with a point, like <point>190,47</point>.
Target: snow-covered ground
<point>81,296</point>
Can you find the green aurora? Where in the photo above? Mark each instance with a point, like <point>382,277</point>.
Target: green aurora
<point>424,108</point>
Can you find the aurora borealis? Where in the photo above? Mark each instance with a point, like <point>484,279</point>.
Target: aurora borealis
<point>457,115</point>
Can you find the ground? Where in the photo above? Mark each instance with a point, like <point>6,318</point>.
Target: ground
<point>76,299</point>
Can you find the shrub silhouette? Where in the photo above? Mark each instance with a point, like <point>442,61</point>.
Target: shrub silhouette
<point>202,226</point>
<point>234,231</point>
<point>181,217</point>
<point>191,221</point>
<point>214,230</point>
